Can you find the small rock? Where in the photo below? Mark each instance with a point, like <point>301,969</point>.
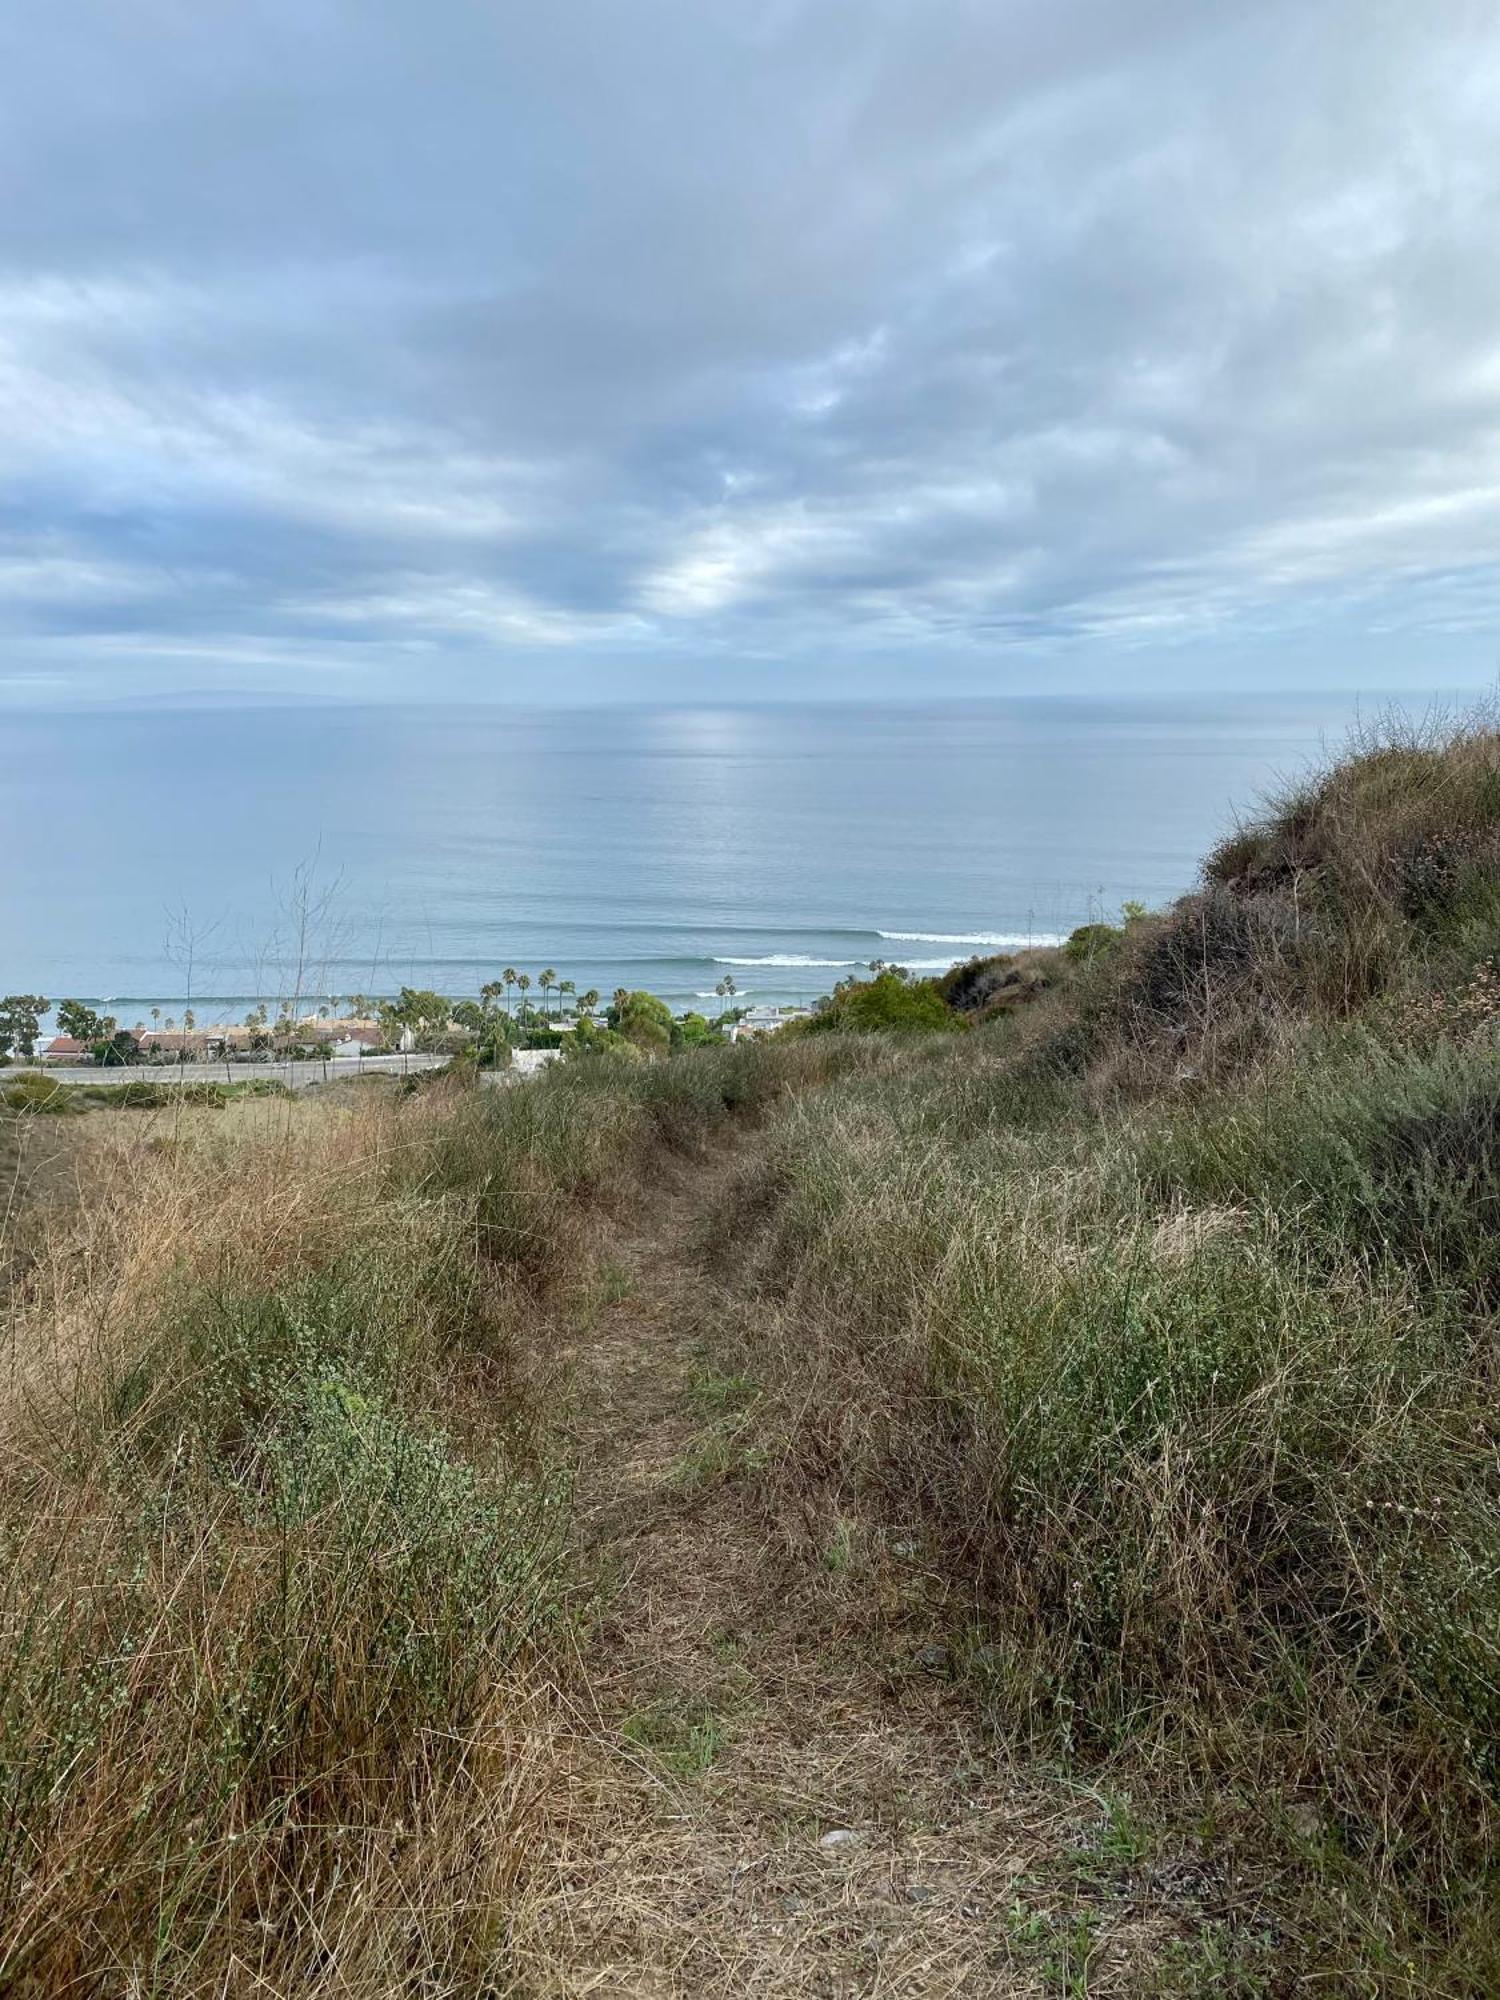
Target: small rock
<point>918,1892</point>
<point>841,1836</point>
<point>931,1659</point>
<point>1306,1819</point>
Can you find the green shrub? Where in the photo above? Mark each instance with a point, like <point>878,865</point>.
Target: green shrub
<point>886,1004</point>
<point>34,1091</point>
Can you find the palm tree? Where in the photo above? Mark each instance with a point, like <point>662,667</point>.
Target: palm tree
<point>567,986</point>
<point>489,993</point>
<point>509,976</point>
<point>546,980</point>
<point>523,986</point>
<point>722,989</point>
<point>587,1002</point>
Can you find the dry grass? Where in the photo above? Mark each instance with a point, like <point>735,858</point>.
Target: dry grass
<point>274,1579</point>
<point>1067,1463</point>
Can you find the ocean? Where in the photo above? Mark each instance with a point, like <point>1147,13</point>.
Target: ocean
<point>219,857</point>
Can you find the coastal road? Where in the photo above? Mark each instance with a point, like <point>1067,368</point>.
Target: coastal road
<point>297,1075</point>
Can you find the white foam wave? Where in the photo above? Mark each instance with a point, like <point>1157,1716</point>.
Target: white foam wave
<point>998,940</point>
<point>789,958</point>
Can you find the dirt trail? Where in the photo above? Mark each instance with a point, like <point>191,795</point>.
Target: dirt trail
<point>777,1789</point>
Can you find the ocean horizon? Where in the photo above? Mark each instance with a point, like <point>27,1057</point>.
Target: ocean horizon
<point>223,856</point>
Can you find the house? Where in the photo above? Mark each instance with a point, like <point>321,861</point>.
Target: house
<point>358,1042</point>
<point>530,1062</point>
<point>66,1049</point>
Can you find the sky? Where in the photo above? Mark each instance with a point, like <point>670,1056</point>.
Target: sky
<point>615,349</point>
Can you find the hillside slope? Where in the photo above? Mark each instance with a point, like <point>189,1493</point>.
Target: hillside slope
<point>996,1492</point>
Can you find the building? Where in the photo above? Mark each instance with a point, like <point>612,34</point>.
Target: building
<point>65,1049</point>
<point>358,1042</point>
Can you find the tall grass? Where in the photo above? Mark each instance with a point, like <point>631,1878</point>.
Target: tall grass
<point>278,1543</point>
<point>281,1529</point>
<point>1169,1304</point>
<point>1199,1404</point>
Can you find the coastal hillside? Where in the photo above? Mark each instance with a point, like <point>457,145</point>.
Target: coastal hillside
<point>992,1488</point>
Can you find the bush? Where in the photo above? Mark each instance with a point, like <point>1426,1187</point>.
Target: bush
<point>33,1091</point>
<point>886,1004</point>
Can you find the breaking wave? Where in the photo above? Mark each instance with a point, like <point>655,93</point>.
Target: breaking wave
<point>788,958</point>
<point>999,940</point>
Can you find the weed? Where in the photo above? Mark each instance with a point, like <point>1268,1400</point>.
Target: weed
<point>682,1735</point>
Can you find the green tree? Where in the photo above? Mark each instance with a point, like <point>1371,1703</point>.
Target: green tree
<point>116,1050</point>
<point>566,986</point>
<point>546,980</point>
<point>587,1002</point>
<point>523,987</point>
<point>691,1031</point>
<point>78,1019</point>
<point>886,1004</point>
<point>508,978</point>
<point>21,1023</point>
<point>644,1021</point>
<point>416,1007</point>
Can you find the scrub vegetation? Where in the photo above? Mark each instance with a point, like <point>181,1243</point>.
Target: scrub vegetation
<point>477,1541</point>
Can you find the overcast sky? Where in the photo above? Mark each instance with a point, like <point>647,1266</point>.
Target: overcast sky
<point>466,347</point>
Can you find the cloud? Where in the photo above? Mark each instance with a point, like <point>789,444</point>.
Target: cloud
<point>334,336</point>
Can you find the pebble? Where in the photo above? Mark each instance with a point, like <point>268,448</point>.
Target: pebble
<point>841,1836</point>
<point>932,1659</point>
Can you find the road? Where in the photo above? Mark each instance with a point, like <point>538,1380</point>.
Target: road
<point>298,1075</point>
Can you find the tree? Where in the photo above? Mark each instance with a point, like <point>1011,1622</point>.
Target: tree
<point>546,980</point>
<point>116,1050</point>
<point>426,1013</point>
<point>489,993</point>
<point>886,1004</point>
<point>567,986</point>
<point>21,1023</point>
<point>587,1002</point>
<point>644,1021</point>
<point>523,986</point>
<point>592,1040</point>
<point>509,977</point>
<point>78,1019</point>
<point>189,1020</point>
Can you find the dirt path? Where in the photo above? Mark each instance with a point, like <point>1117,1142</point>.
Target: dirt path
<point>776,1788</point>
